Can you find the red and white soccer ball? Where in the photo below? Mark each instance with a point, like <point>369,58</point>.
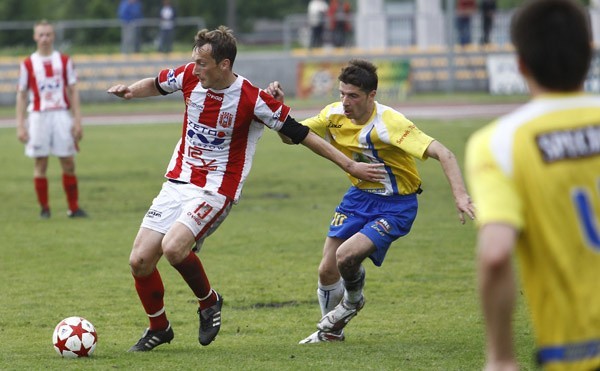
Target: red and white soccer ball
<point>74,337</point>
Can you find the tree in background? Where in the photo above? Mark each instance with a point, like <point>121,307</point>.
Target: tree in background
<point>214,14</point>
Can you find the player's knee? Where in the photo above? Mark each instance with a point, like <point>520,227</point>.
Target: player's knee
<point>344,258</point>
<point>328,272</point>
<point>68,165</point>
<point>174,252</point>
<point>139,266</point>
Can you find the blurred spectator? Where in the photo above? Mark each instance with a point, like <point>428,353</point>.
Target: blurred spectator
<point>167,26</point>
<point>129,12</point>
<point>339,18</point>
<point>317,11</point>
<point>488,9</point>
<point>464,11</point>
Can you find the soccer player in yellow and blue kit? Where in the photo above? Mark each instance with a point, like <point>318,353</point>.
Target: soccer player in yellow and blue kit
<point>535,177</point>
<point>371,215</point>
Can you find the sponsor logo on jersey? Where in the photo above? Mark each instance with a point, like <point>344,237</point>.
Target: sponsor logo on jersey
<point>225,119</point>
<point>406,133</point>
<point>382,227</point>
<point>214,96</point>
<point>49,85</point>
<point>153,214</point>
<point>171,77</point>
<point>277,114</point>
<point>569,144</point>
<point>330,124</point>
<point>191,103</point>
<point>204,137</point>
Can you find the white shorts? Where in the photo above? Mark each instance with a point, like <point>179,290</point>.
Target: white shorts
<point>50,134</point>
<point>201,211</point>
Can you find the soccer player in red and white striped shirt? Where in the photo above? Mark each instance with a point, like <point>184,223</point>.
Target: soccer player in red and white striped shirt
<point>48,79</point>
<point>224,118</point>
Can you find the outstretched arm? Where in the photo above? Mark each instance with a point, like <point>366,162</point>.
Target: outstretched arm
<point>361,170</point>
<point>140,89</point>
<point>453,174</point>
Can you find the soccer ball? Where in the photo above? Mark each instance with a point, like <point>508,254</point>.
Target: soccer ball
<point>74,337</point>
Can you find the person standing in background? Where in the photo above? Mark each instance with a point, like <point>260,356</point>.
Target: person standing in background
<point>167,27</point>
<point>464,12</point>
<point>535,177</point>
<point>49,78</point>
<point>130,11</point>
<point>339,22</point>
<point>488,10</point>
<point>317,13</point>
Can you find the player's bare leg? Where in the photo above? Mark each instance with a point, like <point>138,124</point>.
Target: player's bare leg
<point>177,249</point>
<point>330,290</point>
<point>144,256</point>
<point>349,257</point>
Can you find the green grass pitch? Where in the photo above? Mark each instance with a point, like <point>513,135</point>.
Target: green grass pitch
<point>422,311</point>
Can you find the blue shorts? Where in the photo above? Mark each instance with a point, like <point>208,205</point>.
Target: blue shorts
<point>383,219</point>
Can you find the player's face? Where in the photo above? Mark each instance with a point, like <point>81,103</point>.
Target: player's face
<point>210,73</point>
<point>43,35</point>
<point>358,105</point>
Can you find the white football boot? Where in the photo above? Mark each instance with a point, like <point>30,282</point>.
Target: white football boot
<point>321,336</point>
<point>339,317</point>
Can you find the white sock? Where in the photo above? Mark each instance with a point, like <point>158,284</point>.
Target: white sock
<point>330,296</point>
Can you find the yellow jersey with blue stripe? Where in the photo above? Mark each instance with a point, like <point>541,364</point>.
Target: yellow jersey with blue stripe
<point>538,170</point>
<point>388,137</point>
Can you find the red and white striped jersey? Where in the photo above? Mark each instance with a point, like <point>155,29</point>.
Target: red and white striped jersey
<point>47,78</point>
<point>220,130</point>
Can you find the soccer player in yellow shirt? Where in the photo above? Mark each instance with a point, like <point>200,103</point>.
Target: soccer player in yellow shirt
<point>371,215</point>
<point>535,178</point>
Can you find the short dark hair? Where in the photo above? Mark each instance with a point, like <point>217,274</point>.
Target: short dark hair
<point>360,73</point>
<point>553,39</point>
<point>222,41</point>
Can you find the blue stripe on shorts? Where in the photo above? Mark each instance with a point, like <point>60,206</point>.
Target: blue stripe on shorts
<point>383,219</point>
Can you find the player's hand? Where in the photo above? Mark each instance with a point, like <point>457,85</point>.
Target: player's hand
<point>368,172</point>
<point>465,206</point>
<point>276,91</point>
<point>77,132</point>
<point>22,134</point>
<point>121,91</point>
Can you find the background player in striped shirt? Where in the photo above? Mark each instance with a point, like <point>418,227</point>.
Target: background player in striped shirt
<point>224,118</point>
<point>535,177</point>
<point>48,79</point>
<point>371,215</point>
